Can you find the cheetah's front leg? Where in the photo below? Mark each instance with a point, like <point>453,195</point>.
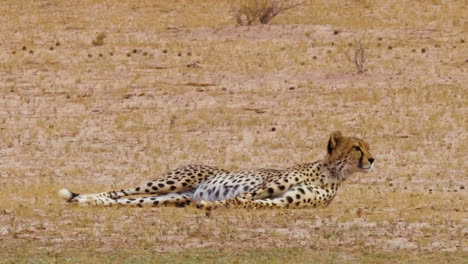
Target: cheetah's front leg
<point>298,196</point>
<point>272,188</point>
<point>227,203</point>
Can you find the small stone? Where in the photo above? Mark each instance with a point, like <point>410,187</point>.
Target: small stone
<point>273,129</point>
<point>423,50</point>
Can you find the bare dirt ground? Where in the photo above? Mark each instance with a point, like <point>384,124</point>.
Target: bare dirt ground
<point>98,95</point>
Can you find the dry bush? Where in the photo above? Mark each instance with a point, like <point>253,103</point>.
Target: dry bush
<point>357,55</point>
<point>248,12</point>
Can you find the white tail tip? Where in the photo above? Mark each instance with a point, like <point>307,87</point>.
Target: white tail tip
<point>65,194</point>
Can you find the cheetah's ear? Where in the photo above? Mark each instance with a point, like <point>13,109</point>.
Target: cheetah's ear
<point>335,137</point>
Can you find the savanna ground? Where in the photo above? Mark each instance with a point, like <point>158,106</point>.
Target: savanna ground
<point>97,95</point>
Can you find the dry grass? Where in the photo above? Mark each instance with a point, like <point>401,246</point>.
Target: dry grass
<point>97,117</point>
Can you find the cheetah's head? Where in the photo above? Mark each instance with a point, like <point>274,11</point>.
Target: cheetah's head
<point>348,155</point>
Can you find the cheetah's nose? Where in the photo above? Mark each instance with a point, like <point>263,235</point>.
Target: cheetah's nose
<point>371,160</point>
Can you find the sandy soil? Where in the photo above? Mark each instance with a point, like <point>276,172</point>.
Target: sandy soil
<point>181,89</point>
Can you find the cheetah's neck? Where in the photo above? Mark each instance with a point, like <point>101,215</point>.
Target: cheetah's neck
<point>334,170</point>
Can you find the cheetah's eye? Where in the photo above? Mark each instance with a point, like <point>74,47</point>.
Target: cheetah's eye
<point>357,148</point>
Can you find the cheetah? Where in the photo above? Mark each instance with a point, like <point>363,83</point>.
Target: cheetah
<point>306,185</point>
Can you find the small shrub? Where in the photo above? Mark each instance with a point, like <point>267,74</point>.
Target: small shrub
<point>248,12</point>
<point>357,55</point>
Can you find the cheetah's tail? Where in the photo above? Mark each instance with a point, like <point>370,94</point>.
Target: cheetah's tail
<point>66,194</point>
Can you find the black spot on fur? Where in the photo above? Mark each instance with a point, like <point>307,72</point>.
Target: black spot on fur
<point>301,190</point>
<point>161,185</point>
<point>282,187</point>
<point>170,182</point>
<point>173,188</point>
<point>154,188</point>
<point>271,190</point>
<point>149,184</point>
<point>289,198</point>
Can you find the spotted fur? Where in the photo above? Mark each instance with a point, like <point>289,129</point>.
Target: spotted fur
<point>302,186</point>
